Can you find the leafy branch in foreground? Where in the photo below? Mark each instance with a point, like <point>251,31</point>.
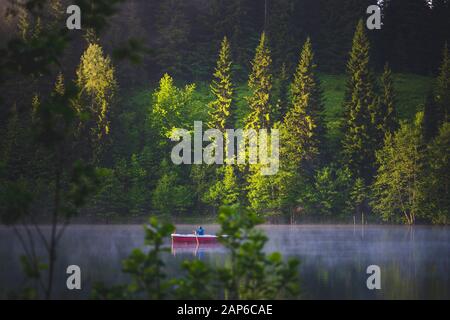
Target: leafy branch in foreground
<point>248,272</point>
<point>68,181</point>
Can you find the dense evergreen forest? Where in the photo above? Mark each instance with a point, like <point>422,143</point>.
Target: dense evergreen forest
<point>363,114</point>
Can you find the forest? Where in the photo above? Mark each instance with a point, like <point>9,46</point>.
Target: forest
<point>363,114</point>
<point>87,119</point>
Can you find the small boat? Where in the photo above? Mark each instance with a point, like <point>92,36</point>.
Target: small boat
<point>193,238</point>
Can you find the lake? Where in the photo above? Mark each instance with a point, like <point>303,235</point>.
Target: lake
<point>414,261</point>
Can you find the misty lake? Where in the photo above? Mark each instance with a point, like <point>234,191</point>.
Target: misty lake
<point>414,261</point>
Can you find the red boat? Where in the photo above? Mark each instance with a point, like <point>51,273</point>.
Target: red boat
<point>193,238</point>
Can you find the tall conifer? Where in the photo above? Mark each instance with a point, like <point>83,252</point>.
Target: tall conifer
<point>385,114</point>
<point>222,89</point>
<point>359,129</point>
<point>303,122</point>
<point>260,85</point>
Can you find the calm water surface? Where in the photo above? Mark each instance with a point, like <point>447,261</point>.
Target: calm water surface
<point>414,262</point>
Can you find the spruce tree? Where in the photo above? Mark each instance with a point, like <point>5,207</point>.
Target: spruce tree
<point>386,114</point>
<point>359,129</point>
<point>260,85</point>
<point>222,89</point>
<point>303,122</point>
<point>281,93</point>
<point>221,188</point>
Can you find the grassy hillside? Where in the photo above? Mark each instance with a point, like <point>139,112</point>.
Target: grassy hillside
<point>411,92</point>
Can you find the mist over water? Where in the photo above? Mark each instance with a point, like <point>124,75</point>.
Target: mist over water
<point>414,261</point>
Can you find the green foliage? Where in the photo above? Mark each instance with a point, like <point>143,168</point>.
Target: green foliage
<point>170,106</point>
<point>260,85</point>
<point>437,105</point>
<point>97,85</point>
<point>52,122</point>
<point>303,122</point>
<point>225,190</point>
<point>301,133</point>
<point>84,182</point>
<point>248,274</point>
<point>359,104</point>
<point>280,93</point>
<point>442,91</point>
<point>436,186</point>
<point>124,189</point>
<point>170,196</point>
<point>387,120</point>
<point>398,187</point>
<point>270,193</point>
<point>222,89</point>
<point>330,193</point>
<point>199,282</point>
<point>431,118</point>
<point>15,201</point>
<point>251,274</point>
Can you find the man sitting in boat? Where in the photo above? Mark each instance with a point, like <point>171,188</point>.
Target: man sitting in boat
<point>200,231</point>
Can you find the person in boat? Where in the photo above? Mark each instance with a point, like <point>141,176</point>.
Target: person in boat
<point>200,231</point>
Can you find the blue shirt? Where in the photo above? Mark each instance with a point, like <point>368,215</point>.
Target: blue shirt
<point>200,231</point>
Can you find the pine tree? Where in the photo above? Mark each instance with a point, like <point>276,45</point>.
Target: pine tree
<point>260,84</point>
<point>281,93</point>
<point>222,89</point>
<point>359,129</point>
<point>97,86</point>
<point>386,115</point>
<point>303,122</point>
<point>220,181</point>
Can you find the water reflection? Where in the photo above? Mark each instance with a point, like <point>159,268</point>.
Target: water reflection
<point>414,261</point>
<point>197,250</point>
